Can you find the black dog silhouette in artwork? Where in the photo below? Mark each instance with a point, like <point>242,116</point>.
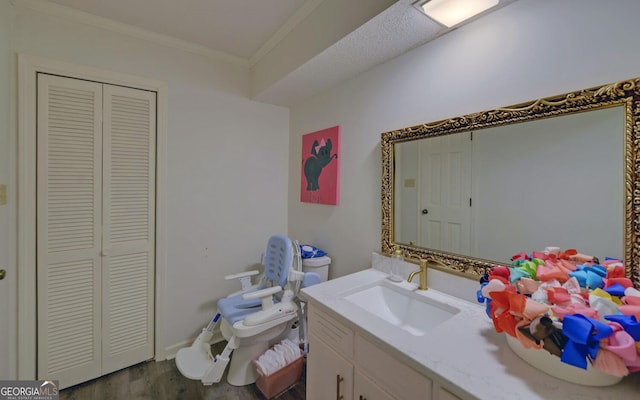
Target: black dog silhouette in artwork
<point>320,157</point>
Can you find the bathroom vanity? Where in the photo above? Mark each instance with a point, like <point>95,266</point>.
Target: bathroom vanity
<point>358,353</point>
<point>359,367</point>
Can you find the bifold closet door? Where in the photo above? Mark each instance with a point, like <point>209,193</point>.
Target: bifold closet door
<point>95,228</point>
<point>69,233</point>
<point>128,227</point>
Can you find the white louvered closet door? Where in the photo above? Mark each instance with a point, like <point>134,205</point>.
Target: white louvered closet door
<point>129,227</point>
<point>95,228</point>
<point>69,204</point>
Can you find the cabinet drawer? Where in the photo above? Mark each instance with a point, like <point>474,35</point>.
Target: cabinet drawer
<point>331,331</point>
<point>390,373</point>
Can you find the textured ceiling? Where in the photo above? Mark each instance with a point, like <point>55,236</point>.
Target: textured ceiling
<point>391,33</point>
<point>249,30</point>
<point>398,29</point>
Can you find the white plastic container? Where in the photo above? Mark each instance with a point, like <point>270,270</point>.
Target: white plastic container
<point>550,364</point>
<point>319,265</point>
<point>396,265</point>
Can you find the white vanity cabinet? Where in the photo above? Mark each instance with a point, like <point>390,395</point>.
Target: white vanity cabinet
<point>444,394</point>
<point>366,389</point>
<point>329,365</point>
<point>342,364</point>
<point>461,359</point>
<point>329,376</point>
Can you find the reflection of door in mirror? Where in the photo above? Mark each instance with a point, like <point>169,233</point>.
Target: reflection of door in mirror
<point>433,187</point>
<point>445,192</point>
<point>549,182</point>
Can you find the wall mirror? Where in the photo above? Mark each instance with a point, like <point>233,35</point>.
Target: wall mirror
<point>472,191</point>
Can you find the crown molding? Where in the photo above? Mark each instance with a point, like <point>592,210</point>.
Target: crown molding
<point>68,13</point>
<point>303,12</point>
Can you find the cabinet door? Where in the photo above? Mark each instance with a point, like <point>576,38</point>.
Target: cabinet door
<point>390,373</point>
<point>329,376</point>
<point>365,389</point>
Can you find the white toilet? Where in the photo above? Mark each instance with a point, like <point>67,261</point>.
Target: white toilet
<point>250,321</point>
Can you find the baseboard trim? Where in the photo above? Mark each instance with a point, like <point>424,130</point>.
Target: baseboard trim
<point>170,351</point>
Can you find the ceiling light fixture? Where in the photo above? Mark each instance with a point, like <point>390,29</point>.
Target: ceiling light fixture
<point>452,12</point>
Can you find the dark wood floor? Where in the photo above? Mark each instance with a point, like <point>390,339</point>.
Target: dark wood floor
<point>162,381</point>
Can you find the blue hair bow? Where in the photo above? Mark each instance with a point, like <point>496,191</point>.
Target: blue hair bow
<point>615,290</point>
<point>628,323</point>
<point>584,336</point>
<point>590,275</point>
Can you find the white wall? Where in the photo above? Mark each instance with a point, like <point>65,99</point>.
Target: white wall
<point>7,212</point>
<point>227,160</point>
<point>550,182</point>
<point>527,50</point>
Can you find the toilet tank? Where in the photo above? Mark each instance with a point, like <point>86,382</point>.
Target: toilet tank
<point>319,265</point>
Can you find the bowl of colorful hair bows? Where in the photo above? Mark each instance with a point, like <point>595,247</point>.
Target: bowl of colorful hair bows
<point>567,314</point>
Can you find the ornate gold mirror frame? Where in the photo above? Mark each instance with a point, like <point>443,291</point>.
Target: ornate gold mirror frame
<point>624,93</point>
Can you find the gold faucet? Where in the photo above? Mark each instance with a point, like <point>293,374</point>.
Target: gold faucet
<point>424,264</point>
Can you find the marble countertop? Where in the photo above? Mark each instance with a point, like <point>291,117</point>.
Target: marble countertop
<point>464,351</point>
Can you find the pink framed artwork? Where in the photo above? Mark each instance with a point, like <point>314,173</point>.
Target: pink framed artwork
<point>320,166</point>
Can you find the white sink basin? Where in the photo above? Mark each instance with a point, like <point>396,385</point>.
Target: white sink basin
<point>402,308</point>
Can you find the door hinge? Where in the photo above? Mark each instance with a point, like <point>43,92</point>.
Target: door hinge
<point>469,201</point>
<point>471,135</point>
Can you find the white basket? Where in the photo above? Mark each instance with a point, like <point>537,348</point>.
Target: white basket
<point>551,365</point>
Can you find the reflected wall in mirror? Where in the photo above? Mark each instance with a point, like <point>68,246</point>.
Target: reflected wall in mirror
<point>541,182</point>
<point>561,171</point>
